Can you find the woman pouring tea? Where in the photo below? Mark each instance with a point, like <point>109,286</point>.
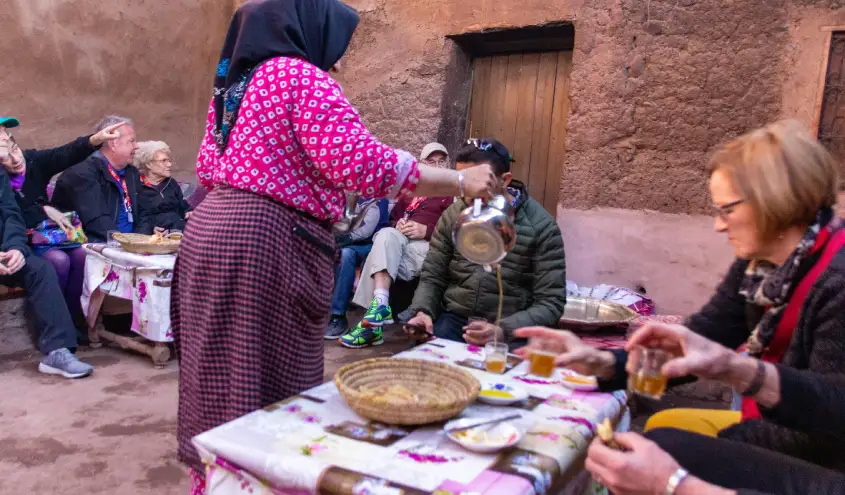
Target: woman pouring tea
<point>253,280</point>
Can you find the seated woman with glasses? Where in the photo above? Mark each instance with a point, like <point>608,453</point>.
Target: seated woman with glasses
<point>773,190</point>
<point>161,204</point>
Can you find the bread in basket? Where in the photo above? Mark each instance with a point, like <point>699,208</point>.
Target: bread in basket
<point>401,391</point>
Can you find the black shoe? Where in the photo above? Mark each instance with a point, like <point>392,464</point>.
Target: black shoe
<point>338,325</point>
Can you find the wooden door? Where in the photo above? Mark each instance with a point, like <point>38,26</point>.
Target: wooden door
<point>523,101</point>
<point>832,121</point>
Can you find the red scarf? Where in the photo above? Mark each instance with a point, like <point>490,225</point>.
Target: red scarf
<point>776,349</point>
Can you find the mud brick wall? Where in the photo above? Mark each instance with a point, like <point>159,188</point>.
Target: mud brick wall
<point>67,63</point>
<point>656,84</point>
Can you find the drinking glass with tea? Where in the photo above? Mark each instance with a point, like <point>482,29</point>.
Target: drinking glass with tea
<point>645,377</point>
<point>495,357</point>
<point>541,363</point>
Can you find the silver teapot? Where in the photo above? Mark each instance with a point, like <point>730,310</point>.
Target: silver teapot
<point>485,232</point>
<point>350,214</point>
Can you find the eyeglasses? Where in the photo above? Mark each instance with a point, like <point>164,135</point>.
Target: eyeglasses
<point>436,163</point>
<point>486,145</point>
<point>163,160</point>
<point>724,211</point>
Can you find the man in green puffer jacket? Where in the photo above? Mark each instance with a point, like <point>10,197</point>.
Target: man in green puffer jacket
<point>452,289</point>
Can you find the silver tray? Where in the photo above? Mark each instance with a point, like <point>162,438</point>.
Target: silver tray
<point>610,314</point>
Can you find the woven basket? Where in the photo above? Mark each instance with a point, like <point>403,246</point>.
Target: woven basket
<point>142,244</point>
<point>442,391</point>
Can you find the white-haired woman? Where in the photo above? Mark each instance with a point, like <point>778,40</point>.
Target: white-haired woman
<point>160,201</point>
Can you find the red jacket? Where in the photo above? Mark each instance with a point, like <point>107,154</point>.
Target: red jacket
<point>427,214</point>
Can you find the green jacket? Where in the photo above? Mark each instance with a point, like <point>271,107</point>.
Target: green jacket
<point>533,273</point>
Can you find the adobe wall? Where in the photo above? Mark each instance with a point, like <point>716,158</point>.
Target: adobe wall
<point>656,85</point>
<point>67,63</point>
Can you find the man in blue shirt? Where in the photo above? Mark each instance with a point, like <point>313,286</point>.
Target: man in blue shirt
<point>103,189</point>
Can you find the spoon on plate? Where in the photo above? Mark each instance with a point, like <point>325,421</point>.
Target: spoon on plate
<point>488,422</point>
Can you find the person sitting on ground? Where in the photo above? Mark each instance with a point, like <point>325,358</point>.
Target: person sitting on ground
<point>681,462</point>
<point>161,205</point>
<point>452,289</point>
<point>19,268</point>
<point>103,189</point>
<point>773,189</point>
<point>373,215</point>
<point>397,252</point>
<point>30,172</point>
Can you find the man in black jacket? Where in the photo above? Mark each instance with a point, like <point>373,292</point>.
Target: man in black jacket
<point>33,169</point>
<point>103,189</point>
<point>19,268</point>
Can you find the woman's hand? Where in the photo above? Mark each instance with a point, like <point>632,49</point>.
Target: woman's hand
<point>107,134</point>
<point>59,219</point>
<point>479,182</point>
<point>692,353</point>
<point>644,468</point>
<point>572,352</point>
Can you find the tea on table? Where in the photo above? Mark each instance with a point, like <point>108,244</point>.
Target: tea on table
<point>496,357</point>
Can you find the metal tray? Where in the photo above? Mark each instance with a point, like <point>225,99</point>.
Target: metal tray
<point>610,314</point>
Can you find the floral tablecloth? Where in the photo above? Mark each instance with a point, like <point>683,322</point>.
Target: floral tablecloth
<point>314,443</point>
<point>144,280</point>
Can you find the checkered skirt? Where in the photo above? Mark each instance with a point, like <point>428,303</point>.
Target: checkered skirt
<point>250,299</point>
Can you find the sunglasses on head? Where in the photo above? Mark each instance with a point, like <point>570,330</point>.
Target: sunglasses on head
<point>487,145</point>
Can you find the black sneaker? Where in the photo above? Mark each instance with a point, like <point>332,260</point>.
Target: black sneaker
<point>336,328</point>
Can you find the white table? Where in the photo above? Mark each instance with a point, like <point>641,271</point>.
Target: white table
<point>314,443</point>
<point>143,280</point>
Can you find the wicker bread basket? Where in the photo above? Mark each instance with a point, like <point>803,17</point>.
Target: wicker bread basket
<point>440,391</point>
<point>145,244</point>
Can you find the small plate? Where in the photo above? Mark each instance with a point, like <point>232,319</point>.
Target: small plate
<point>580,382</point>
<point>485,439</point>
<point>501,394</point>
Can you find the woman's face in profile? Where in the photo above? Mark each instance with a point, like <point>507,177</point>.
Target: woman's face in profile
<point>735,217</point>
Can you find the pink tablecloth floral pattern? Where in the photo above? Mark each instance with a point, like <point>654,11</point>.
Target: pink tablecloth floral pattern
<point>144,280</point>
<point>314,443</point>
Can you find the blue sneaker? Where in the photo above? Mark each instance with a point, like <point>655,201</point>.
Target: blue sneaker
<point>377,315</point>
<point>65,363</point>
<point>360,337</point>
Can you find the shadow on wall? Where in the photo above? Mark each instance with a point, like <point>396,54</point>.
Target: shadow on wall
<point>678,258</point>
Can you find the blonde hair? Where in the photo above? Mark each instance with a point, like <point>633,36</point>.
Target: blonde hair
<point>146,153</point>
<point>783,172</point>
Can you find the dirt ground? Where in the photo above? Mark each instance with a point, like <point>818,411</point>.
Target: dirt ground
<point>111,433</point>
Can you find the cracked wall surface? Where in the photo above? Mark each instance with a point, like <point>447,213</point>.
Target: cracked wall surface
<point>67,63</point>
<point>656,84</point>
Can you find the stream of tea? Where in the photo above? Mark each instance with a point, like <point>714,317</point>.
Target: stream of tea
<point>499,279</point>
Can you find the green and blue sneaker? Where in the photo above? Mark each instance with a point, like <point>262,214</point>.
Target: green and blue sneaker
<point>377,315</point>
<point>360,337</point>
